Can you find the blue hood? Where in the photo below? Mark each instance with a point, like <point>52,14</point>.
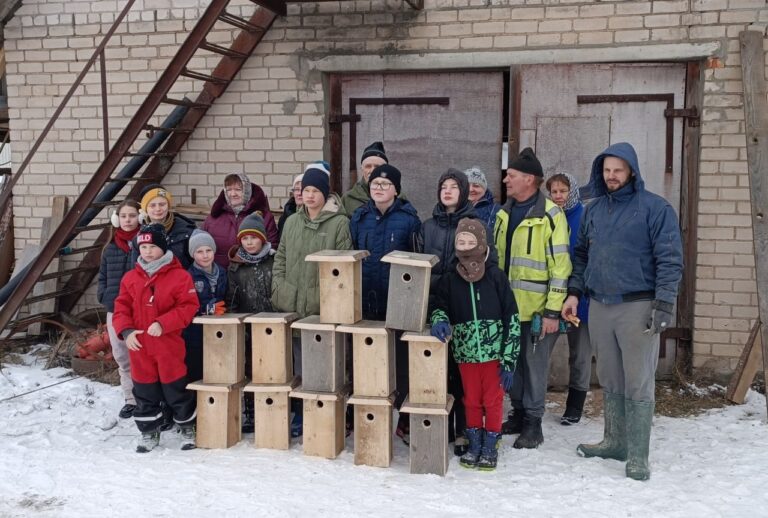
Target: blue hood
<point>622,150</point>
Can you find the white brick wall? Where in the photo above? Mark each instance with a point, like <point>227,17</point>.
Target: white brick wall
<point>271,120</point>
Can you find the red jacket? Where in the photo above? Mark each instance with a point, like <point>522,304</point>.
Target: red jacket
<point>223,224</point>
<point>168,297</point>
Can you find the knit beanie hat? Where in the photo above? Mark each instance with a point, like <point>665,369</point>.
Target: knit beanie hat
<point>200,238</point>
<point>461,179</point>
<point>152,192</point>
<point>471,266</point>
<point>319,164</point>
<point>476,176</point>
<point>526,162</point>
<point>375,149</point>
<point>317,178</point>
<point>389,172</point>
<point>153,234</point>
<point>253,225</point>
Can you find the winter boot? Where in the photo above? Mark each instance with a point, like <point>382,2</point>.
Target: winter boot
<point>531,436</point>
<point>148,441</point>
<point>127,411</point>
<point>460,446</point>
<point>475,437</point>
<point>614,443</point>
<point>403,429</point>
<point>514,423</point>
<point>297,425</point>
<point>574,405</point>
<point>639,420</point>
<point>188,433</point>
<point>489,455</point>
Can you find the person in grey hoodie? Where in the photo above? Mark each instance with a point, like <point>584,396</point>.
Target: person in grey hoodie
<point>628,260</point>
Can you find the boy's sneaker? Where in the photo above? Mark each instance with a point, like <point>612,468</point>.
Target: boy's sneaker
<point>188,434</point>
<point>127,411</point>
<point>403,429</point>
<point>297,425</point>
<point>148,441</point>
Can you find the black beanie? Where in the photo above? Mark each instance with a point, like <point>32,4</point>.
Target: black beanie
<point>389,172</point>
<point>526,162</point>
<point>461,180</point>
<point>153,234</point>
<point>375,149</point>
<point>318,179</point>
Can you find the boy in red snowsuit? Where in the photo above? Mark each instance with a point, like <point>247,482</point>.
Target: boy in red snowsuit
<point>157,301</point>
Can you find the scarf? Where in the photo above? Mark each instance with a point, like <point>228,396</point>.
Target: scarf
<point>123,238</point>
<point>254,259</point>
<point>247,194</point>
<point>573,196</point>
<point>471,265</point>
<point>167,223</point>
<point>153,267</point>
<point>213,277</point>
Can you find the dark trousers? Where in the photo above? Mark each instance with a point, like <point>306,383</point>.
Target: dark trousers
<point>457,420</point>
<point>148,414</point>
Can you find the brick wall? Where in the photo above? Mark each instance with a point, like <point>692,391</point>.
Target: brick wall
<point>271,120</point>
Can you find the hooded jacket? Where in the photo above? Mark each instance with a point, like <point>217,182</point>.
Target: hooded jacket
<point>486,209</point>
<point>223,223</point>
<point>295,282</point>
<point>396,229</point>
<point>250,284</point>
<point>193,334</point>
<point>629,245</point>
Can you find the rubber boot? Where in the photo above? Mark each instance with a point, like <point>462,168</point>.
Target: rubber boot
<point>531,436</point>
<point>574,406</point>
<point>514,423</point>
<point>489,455</point>
<point>639,420</point>
<point>614,443</point>
<point>475,437</point>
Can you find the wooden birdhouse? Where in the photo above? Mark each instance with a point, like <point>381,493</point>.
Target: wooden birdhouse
<point>408,295</point>
<point>341,285</point>
<point>324,422</point>
<point>223,348</point>
<point>322,355</point>
<point>272,414</point>
<point>373,358</point>
<point>427,369</point>
<point>272,356</point>
<point>373,430</point>
<point>219,414</point>
<point>429,437</point>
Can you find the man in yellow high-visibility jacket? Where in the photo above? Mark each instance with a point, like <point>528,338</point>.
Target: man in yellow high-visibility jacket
<point>531,236</point>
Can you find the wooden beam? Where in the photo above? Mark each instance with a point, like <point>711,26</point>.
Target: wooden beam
<point>750,362</point>
<point>756,117</point>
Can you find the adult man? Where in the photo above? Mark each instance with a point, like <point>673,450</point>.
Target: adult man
<point>628,259</point>
<point>531,234</point>
<point>373,156</point>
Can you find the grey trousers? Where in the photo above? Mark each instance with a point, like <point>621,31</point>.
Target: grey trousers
<point>626,355</point>
<point>579,358</point>
<point>529,388</point>
<point>123,359</point>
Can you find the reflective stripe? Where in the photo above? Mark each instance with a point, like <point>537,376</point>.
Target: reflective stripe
<point>150,418</point>
<point>560,249</point>
<point>553,211</point>
<point>529,286</point>
<point>529,263</point>
<point>559,283</point>
<point>194,414</point>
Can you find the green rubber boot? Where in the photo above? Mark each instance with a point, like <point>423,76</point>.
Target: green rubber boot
<point>614,443</point>
<point>639,420</point>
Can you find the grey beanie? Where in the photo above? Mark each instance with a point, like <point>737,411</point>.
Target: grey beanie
<point>476,176</point>
<point>200,238</point>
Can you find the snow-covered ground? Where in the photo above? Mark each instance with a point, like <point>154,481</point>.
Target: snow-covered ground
<point>64,454</point>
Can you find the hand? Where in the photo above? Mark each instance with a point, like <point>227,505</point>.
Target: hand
<point>441,331</point>
<point>155,329</point>
<point>132,342</point>
<point>506,378</point>
<point>219,308</point>
<point>549,326</point>
<point>570,306</point>
<point>661,316</point>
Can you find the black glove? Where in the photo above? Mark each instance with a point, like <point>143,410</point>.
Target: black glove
<point>661,316</point>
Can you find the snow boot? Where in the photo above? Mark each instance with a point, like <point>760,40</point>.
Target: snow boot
<point>470,458</point>
<point>639,421</point>
<point>531,436</point>
<point>188,434</point>
<point>460,446</point>
<point>127,411</point>
<point>148,441</point>
<point>297,425</point>
<point>403,429</point>
<point>574,406</point>
<point>514,423</point>
<point>489,455</point>
<point>614,443</point>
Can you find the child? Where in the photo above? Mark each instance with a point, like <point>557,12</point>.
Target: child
<point>475,298</point>
<point>115,262</point>
<point>156,302</point>
<point>250,268</point>
<point>157,207</point>
<point>210,281</point>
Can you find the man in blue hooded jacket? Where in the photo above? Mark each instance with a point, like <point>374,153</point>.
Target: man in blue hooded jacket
<point>629,261</point>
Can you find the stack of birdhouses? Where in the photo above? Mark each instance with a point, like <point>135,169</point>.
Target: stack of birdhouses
<point>219,393</point>
<point>324,387</point>
<point>272,378</point>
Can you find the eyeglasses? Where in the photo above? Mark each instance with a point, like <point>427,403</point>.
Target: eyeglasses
<point>381,186</point>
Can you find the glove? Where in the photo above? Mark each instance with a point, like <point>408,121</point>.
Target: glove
<point>210,308</point>
<point>441,331</point>
<point>661,316</point>
<point>219,308</point>
<point>506,378</point>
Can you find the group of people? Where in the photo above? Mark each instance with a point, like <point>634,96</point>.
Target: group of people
<point>510,279</point>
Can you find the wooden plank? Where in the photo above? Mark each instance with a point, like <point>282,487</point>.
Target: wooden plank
<point>323,365</point>
<point>272,425</point>
<point>428,372</point>
<point>370,327</point>
<point>373,364</point>
<point>341,286</point>
<point>429,444</point>
<point>229,318</point>
<point>59,209</point>
<point>271,318</point>
<point>216,387</point>
<point>314,395</point>
<point>410,407</point>
<point>756,117</point>
<point>420,336</point>
<point>373,435</point>
<point>269,387</point>
<point>223,353</point>
<point>271,352</point>
<point>218,418</point>
<point>355,399</point>
<point>408,297</point>
<point>411,259</point>
<point>313,323</point>
<point>324,427</point>
<point>749,364</point>
<point>337,256</point>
